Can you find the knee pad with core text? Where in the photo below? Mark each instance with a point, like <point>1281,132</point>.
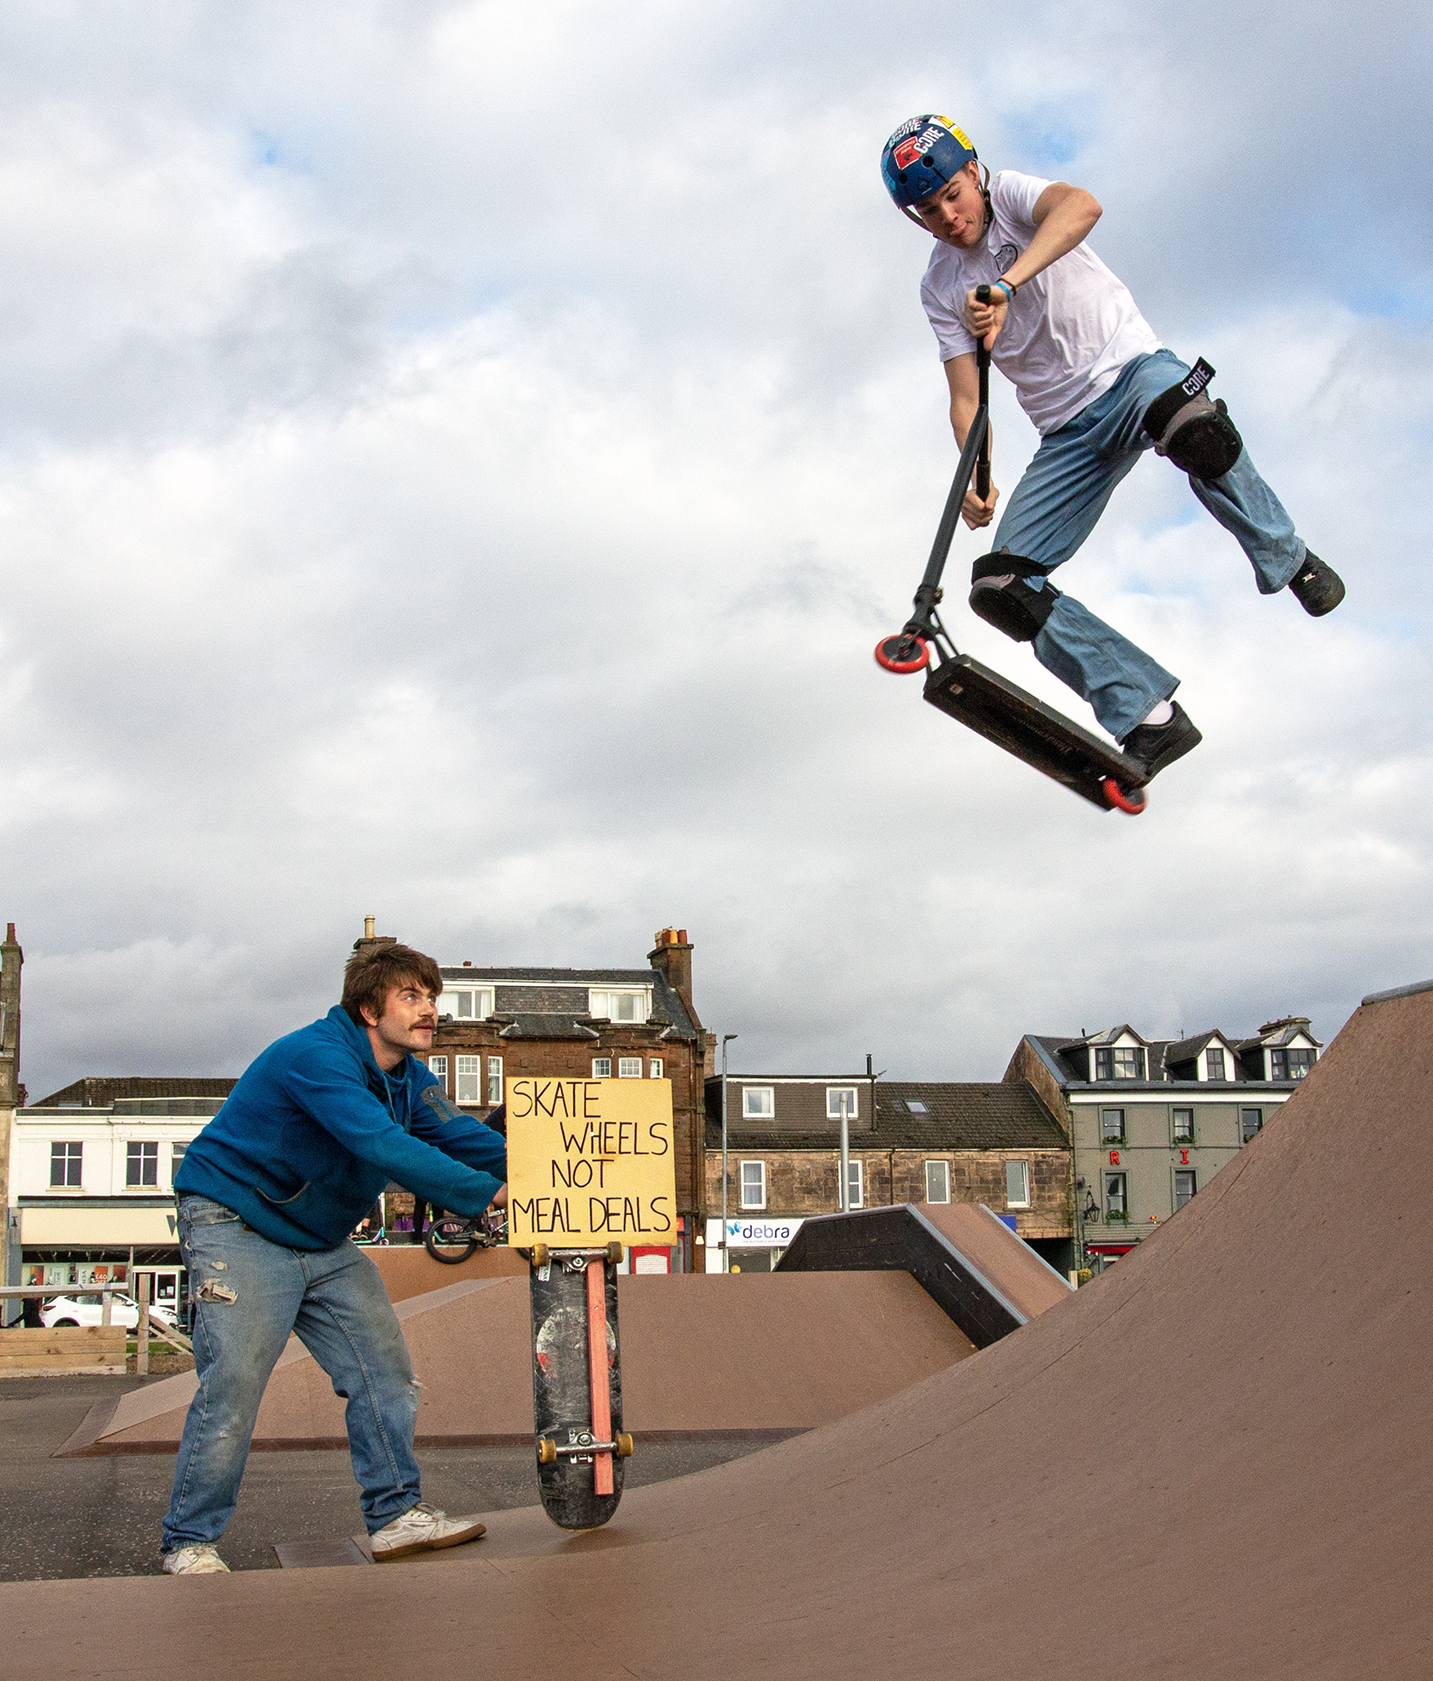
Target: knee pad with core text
<point>1197,435</point>
<point>1000,595</point>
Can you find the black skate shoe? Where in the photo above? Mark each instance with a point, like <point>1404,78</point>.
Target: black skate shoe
<point>1317,586</point>
<point>1158,745</point>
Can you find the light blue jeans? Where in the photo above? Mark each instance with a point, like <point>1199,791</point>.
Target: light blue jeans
<point>1061,497</point>
<point>248,1295</point>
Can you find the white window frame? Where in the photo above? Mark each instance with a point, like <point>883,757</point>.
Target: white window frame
<point>620,1003</point>
<point>74,1149</point>
<point>758,1103</point>
<point>495,1081</point>
<point>629,1068</point>
<point>654,1068</point>
<point>1107,1137</point>
<point>856,1183</point>
<point>833,1097</point>
<point>944,1178</point>
<point>466,1003</point>
<point>602,1068</point>
<point>468,1080</point>
<point>746,1201</point>
<point>141,1145</point>
<point>1178,1136</point>
<point>177,1151</point>
<point>438,1068</point>
<point>1023,1164</point>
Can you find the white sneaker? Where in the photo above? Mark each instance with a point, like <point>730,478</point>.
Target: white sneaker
<point>200,1560</point>
<point>421,1529</point>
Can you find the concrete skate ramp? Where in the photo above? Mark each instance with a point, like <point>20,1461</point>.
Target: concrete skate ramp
<point>749,1355</point>
<point>987,1279</point>
<point>1212,1462</point>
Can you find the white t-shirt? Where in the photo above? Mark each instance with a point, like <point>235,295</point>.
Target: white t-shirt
<point>1069,331</point>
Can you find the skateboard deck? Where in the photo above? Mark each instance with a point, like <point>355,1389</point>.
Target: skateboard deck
<point>577,1384</point>
<point>1004,713</point>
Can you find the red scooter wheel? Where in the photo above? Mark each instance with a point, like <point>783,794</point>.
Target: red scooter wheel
<point>903,654</point>
<point>1133,802</point>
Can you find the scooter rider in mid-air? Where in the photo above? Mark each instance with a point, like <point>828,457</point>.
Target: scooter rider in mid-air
<point>1100,389</point>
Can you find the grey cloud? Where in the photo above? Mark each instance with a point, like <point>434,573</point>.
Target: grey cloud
<point>503,555</point>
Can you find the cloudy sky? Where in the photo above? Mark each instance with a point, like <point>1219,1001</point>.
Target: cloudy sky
<point>456,459</point>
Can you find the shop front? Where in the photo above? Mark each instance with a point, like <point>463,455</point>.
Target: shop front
<point>81,1242</point>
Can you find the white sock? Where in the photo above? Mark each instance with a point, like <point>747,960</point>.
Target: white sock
<point>1160,714</point>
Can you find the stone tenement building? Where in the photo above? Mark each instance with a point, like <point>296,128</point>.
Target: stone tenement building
<point>995,1143</point>
<point>587,1024</point>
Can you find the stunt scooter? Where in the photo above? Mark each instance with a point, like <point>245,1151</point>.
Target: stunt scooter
<point>982,699</point>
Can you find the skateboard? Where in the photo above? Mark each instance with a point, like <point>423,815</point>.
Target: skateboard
<point>982,699</point>
<point>577,1383</point>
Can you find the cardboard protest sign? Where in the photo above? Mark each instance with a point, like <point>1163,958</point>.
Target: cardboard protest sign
<point>590,1161</point>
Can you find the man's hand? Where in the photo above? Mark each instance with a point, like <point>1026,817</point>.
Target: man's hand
<point>500,1200</point>
<point>976,513</point>
<point>986,320</point>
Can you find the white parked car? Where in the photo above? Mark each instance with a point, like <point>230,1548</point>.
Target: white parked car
<point>89,1310</point>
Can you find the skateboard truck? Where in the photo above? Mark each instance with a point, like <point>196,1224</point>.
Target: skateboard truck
<point>982,699</point>
<point>583,1446</point>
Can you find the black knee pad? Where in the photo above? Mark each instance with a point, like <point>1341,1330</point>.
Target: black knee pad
<point>1197,435</point>
<point>1000,595</point>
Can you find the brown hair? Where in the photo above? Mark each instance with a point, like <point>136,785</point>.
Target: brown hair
<point>369,976</point>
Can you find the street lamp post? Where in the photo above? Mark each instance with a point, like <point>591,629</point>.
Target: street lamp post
<point>844,1199</point>
<point>725,1258</point>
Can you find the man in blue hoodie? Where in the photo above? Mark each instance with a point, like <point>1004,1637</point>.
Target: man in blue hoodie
<point>268,1194</point>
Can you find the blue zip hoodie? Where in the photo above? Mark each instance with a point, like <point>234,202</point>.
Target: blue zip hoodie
<point>315,1129</point>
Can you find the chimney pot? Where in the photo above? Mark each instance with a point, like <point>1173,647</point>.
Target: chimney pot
<point>369,923</point>
<point>467,962</point>
<point>10,932</point>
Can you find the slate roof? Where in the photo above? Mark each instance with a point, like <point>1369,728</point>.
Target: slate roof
<point>1185,1050</point>
<point>1003,1115</point>
<point>1161,1055</point>
<point>524,1022</point>
<point>99,1091</point>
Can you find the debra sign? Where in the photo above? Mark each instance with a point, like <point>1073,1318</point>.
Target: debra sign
<point>589,1161</point>
<point>754,1234</point>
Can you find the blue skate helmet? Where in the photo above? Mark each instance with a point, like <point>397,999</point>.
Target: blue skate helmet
<point>921,156</point>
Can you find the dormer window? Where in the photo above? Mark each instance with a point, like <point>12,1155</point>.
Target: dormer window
<point>1290,1064</point>
<point>619,1003</point>
<point>1214,1064</point>
<point>1119,1062</point>
<point>466,1003</point>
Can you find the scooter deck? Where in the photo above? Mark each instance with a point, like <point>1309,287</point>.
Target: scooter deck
<point>1004,713</point>
<point>565,1410</point>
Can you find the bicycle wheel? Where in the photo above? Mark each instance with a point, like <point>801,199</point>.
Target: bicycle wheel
<point>450,1241</point>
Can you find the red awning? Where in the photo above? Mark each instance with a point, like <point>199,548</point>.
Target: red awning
<point>1110,1248</point>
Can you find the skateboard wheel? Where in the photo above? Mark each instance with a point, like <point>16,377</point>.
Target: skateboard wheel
<point>623,1444</point>
<point>546,1452</point>
<point>614,1253</point>
<point>903,654</point>
<point>539,1254</point>
<point>1132,802</point>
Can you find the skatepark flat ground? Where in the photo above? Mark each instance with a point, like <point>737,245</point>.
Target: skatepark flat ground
<point>1211,1462</point>
<point>101,1516</point>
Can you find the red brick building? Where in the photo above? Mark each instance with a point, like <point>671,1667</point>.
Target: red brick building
<point>497,1024</point>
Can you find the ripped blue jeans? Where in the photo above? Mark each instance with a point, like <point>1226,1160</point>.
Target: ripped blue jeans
<point>248,1295</point>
